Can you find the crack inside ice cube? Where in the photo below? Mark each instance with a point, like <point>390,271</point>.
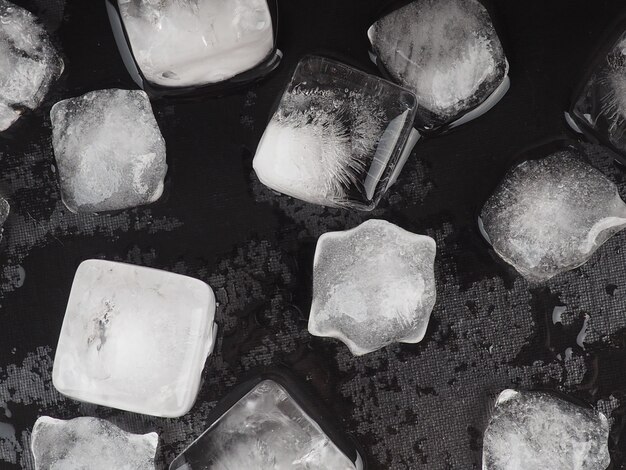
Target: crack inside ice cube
<point>109,151</point>
<point>28,63</point>
<point>372,286</point>
<point>265,430</point>
<point>537,431</point>
<point>92,443</point>
<point>549,215</point>
<point>336,137</point>
<point>446,51</point>
<point>179,43</point>
<point>134,338</point>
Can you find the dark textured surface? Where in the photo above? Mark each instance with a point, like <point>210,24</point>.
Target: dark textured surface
<point>410,406</point>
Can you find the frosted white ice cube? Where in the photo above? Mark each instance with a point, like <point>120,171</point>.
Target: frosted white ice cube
<point>549,215</point>
<point>90,443</point>
<point>180,43</point>
<point>538,431</point>
<point>265,430</point>
<point>372,286</point>
<point>109,151</point>
<point>28,63</point>
<point>448,53</point>
<point>337,136</point>
<point>134,338</point>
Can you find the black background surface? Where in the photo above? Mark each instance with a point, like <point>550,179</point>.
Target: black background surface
<point>410,406</point>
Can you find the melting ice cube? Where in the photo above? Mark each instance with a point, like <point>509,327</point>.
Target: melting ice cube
<point>28,63</point>
<point>134,338</point>
<point>549,215</point>
<point>448,53</point>
<point>537,431</point>
<point>182,43</point>
<point>337,136</point>
<point>109,150</point>
<point>91,443</point>
<point>372,286</point>
<point>600,105</point>
<point>265,430</point>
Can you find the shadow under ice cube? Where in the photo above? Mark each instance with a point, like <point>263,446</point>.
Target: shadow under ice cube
<point>266,429</point>
<point>109,151</point>
<point>550,215</point>
<point>536,431</point>
<point>338,137</point>
<point>135,338</point>
<point>448,53</point>
<point>90,443</point>
<point>372,286</point>
<point>29,63</point>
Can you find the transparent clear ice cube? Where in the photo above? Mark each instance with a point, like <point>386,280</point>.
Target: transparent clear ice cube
<point>538,431</point>
<point>29,63</point>
<point>92,443</point>
<point>134,338</point>
<point>265,430</point>
<point>337,136</point>
<point>448,53</point>
<point>372,286</point>
<point>109,151</point>
<point>549,215</point>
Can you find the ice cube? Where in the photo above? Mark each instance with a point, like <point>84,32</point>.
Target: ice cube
<point>372,286</point>
<point>600,106</point>
<point>265,430</point>
<point>28,63</point>
<point>181,43</point>
<point>448,53</point>
<point>549,215</point>
<point>109,150</point>
<point>92,443</point>
<point>336,137</point>
<point>134,338</point>
<point>538,431</point>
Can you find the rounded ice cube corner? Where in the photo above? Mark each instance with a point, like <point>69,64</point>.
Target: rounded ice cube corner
<point>135,338</point>
<point>208,48</point>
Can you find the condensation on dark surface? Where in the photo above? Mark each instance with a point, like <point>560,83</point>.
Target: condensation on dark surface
<point>418,406</point>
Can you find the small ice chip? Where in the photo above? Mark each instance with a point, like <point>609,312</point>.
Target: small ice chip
<point>109,150</point>
<point>337,136</point>
<point>372,286</point>
<point>265,430</point>
<point>29,63</point>
<point>448,53</point>
<point>538,431</point>
<point>134,338</point>
<point>182,43</point>
<point>90,443</point>
<point>550,215</point>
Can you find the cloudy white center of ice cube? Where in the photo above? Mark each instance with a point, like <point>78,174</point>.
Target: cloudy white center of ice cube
<point>191,42</point>
<point>550,215</point>
<point>109,151</point>
<point>91,443</point>
<point>134,338</point>
<point>372,286</point>
<point>537,431</point>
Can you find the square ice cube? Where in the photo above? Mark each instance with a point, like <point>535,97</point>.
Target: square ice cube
<point>29,63</point>
<point>190,43</point>
<point>109,151</point>
<point>537,430</point>
<point>372,286</point>
<point>134,338</point>
<point>337,136</point>
<point>90,443</point>
<point>267,429</point>
<point>599,106</point>
<point>448,53</point>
